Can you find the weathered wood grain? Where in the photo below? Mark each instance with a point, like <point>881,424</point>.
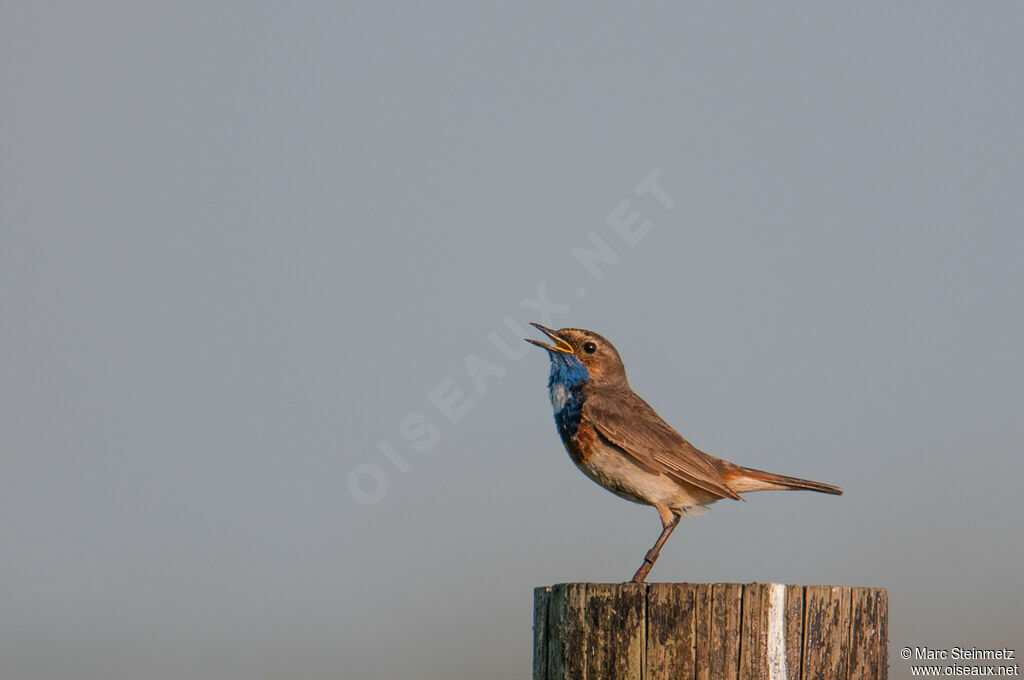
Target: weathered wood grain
<point>726,606</point>
<point>675,631</point>
<point>826,633</point>
<point>794,631</point>
<point>614,638</point>
<point>565,632</point>
<point>595,630</point>
<point>865,651</point>
<point>702,630</point>
<point>882,612</point>
<point>754,632</point>
<point>671,630</point>
<point>541,598</point>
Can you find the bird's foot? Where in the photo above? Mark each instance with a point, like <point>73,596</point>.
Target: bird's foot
<point>641,574</point>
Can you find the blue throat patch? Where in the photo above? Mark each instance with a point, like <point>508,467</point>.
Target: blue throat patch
<point>568,376</point>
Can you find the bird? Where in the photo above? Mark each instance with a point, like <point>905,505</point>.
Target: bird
<point>617,440</point>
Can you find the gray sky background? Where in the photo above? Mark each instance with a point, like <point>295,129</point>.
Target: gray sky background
<point>243,241</point>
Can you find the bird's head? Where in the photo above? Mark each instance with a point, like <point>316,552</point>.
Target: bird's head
<point>576,351</point>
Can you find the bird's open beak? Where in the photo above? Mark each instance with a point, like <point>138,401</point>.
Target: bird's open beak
<point>559,346</point>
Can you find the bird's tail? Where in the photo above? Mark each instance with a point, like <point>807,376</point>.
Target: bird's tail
<point>741,479</point>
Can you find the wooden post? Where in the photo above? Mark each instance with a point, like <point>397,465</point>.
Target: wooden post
<point>704,631</point>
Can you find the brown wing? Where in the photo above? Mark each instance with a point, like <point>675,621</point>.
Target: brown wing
<point>629,423</point>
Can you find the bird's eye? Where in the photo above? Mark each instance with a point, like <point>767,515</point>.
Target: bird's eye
<point>589,347</point>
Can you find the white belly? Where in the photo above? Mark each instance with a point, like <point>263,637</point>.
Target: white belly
<point>611,470</point>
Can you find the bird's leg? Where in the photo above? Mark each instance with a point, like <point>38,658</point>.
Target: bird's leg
<point>669,520</point>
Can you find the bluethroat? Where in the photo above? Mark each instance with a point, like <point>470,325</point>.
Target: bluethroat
<point>617,439</point>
